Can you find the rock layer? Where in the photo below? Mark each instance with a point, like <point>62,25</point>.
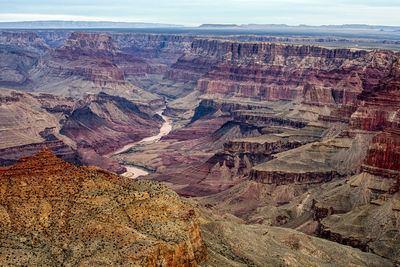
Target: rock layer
<point>91,61</point>
<point>76,131</point>
<point>271,71</point>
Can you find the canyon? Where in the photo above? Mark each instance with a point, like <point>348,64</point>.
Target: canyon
<point>227,143</point>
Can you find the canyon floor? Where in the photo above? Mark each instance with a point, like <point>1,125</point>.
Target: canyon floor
<point>198,149</point>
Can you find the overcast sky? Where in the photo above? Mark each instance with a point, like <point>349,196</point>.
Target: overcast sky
<point>196,12</point>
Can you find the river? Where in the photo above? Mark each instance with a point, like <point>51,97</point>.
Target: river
<point>132,171</point>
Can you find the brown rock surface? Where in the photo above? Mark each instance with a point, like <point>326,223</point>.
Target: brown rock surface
<point>76,131</point>
<point>55,213</point>
<point>91,61</point>
<point>383,156</point>
<point>271,71</point>
<point>164,48</point>
<point>233,244</point>
<point>30,122</point>
<point>106,123</point>
<point>379,106</point>
<point>373,227</point>
<point>25,40</point>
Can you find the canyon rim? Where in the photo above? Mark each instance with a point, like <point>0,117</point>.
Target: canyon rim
<point>145,144</point>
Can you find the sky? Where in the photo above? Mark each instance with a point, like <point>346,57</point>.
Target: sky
<point>196,12</point>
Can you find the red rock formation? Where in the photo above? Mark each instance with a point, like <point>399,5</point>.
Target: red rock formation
<point>86,216</point>
<point>378,110</point>
<point>91,61</point>
<point>96,50</point>
<point>105,123</point>
<point>10,155</point>
<point>269,71</point>
<point>97,125</point>
<point>197,129</point>
<point>379,106</point>
<point>340,114</point>
<point>383,158</point>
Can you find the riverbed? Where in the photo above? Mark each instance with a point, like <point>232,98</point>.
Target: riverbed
<point>132,171</point>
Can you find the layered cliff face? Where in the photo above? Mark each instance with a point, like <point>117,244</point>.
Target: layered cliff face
<point>55,213</point>
<point>379,106</point>
<point>19,51</point>
<point>164,48</point>
<point>31,122</point>
<point>76,131</point>
<point>271,71</point>
<point>91,61</point>
<point>25,40</point>
<point>54,38</point>
<point>101,124</point>
<point>379,110</point>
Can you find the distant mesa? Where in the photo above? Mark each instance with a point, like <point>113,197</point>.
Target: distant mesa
<point>218,25</point>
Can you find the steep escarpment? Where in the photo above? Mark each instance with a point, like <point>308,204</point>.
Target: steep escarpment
<point>24,40</point>
<point>76,131</point>
<point>91,61</point>
<point>379,105</point>
<point>30,122</point>
<point>56,213</point>
<point>272,71</point>
<point>106,123</point>
<point>164,48</point>
<point>379,111</point>
<point>19,52</point>
<point>54,38</point>
<point>368,221</point>
<point>384,155</point>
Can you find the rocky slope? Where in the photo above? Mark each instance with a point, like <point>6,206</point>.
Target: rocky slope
<point>24,40</point>
<point>100,124</point>
<point>164,48</point>
<point>19,51</point>
<point>91,61</point>
<point>30,122</point>
<point>296,136</point>
<point>233,244</point>
<point>55,213</point>
<point>379,177</point>
<point>77,131</point>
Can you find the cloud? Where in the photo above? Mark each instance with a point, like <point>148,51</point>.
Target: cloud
<point>31,17</point>
<point>291,12</point>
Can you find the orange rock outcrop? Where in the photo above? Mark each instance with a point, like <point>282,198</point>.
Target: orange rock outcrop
<point>55,213</point>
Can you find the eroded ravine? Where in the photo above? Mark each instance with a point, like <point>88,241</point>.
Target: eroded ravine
<point>133,171</point>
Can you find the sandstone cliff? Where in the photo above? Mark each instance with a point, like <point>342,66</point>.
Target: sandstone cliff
<point>272,71</point>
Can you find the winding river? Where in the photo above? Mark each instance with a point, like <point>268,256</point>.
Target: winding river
<point>134,172</point>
